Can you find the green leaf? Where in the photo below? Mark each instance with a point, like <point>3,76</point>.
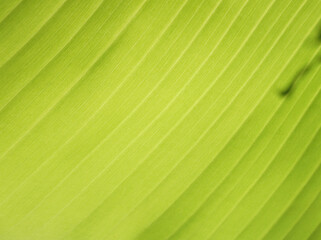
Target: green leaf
<point>150,120</point>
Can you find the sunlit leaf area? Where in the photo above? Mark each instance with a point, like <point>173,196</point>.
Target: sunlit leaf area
<point>160,119</point>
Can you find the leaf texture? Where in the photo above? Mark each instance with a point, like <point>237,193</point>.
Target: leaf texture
<point>151,120</point>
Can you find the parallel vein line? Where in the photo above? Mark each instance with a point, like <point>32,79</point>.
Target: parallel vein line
<point>43,25</point>
<point>79,79</point>
<point>128,75</point>
<point>11,11</point>
<point>260,175</point>
<point>99,109</point>
<point>308,106</point>
<point>315,201</point>
<point>53,57</point>
<point>275,78</point>
<point>150,152</point>
<point>211,106</point>
<point>253,74</point>
<point>118,155</point>
<point>299,191</point>
<point>240,70</point>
